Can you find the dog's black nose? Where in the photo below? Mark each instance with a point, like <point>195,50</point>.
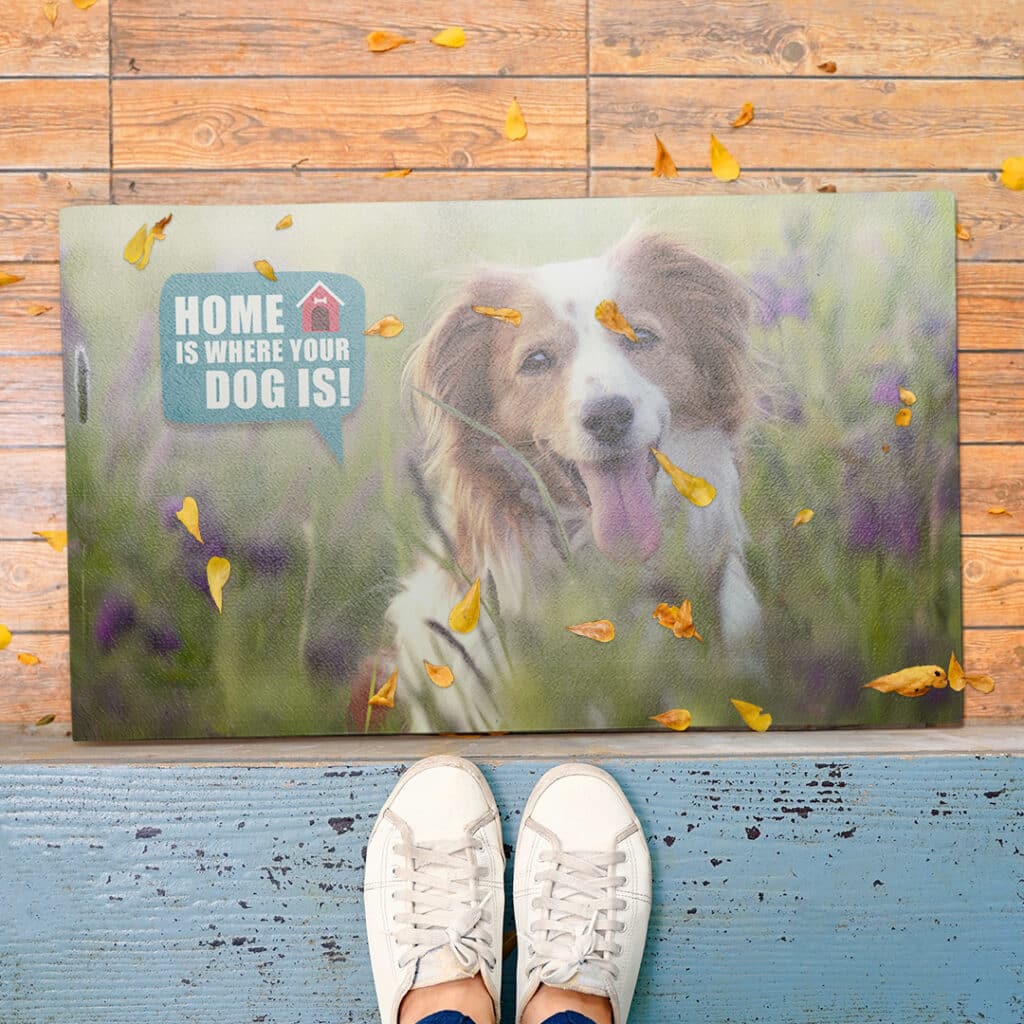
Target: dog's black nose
<point>608,419</point>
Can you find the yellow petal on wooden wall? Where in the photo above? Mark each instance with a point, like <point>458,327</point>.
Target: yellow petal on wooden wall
<point>381,42</point>
<point>44,720</point>
<point>50,11</point>
<point>678,719</point>
<point>903,418</point>
<point>38,309</point>
<point>83,5</point>
<point>515,123</point>
<point>907,397</point>
<point>755,717</point>
<point>829,67</point>
<point>265,269</point>
<point>285,222</point>
<point>998,510</point>
<point>133,250</point>
<point>28,659</point>
<point>664,165</point>
<point>1012,175</point>
<point>397,172</point>
<point>509,316</point>
<point>827,188</point>
<point>386,327</point>
<point>188,516</point>
<point>723,164</point>
<point>439,675</point>
<point>601,630</point>
<point>218,572</point>
<point>466,613</point>
<point>385,696</point>
<point>981,683</point>
<point>745,116</point>
<point>57,539</point>
<point>962,233</point>
<point>451,37</point>
<point>5,636</point>
<point>693,488</point>
<point>607,315</point>
<point>805,515</point>
<point>915,677</point>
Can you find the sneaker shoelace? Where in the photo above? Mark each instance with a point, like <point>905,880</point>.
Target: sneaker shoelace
<point>575,926</point>
<point>446,907</point>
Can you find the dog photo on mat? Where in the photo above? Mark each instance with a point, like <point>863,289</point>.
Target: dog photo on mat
<point>511,466</point>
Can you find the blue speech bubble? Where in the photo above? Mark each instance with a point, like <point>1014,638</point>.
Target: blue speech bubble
<point>237,348</point>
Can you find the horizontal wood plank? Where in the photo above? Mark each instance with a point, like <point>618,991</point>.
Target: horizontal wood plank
<point>808,124</point>
<point>31,401</point>
<point>991,396</point>
<point>993,214</point>
<point>27,692</point>
<point>75,44</point>
<point>791,37</point>
<point>246,37</point>
<point>23,331</point>
<point>992,476</point>
<point>31,492</point>
<point>993,581</point>
<point>1000,653</point>
<point>415,122</point>
<point>33,586</point>
<point>60,124</point>
<point>31,203</point>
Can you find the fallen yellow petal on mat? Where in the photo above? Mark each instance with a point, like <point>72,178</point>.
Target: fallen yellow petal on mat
<point>515,123</point>
<point>805,515</point>
<point>439,675</point>
<point>38,309</point>
<point>962,233</point>
<point>907,397</point>
<point>829,67</point>
<point>723,164</point>
<point>397,172</point>
<point>265,269</point>
<point>746,115</point>
<point>601,630</point>
<point>1013,173</point>
<point>509,316</point>
<point>5,636</point>
<point>28,659</point>
<point>285,222</point>
<point>136,244</point>
<point>218,572</point>
<point>756,718</point>
<point>998,510</point>
<point>693,488</point>
<point>608,315</point>
<point>911,681</point>
<point>386,327</point>
<point>903,417</point>
<point>381,42</point>
<point>188,516</point>
<point>57,539</point>
<point>50,10</point>
<point>678,719</point>
<point>451,37</point>
<point>465,615</point>
<point>664,165</point>
<point>385,696</point>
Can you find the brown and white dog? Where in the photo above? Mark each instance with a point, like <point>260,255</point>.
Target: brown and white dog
<point>583,406</point>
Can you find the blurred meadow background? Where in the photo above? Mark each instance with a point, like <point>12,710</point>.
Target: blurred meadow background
<point>854,296</point>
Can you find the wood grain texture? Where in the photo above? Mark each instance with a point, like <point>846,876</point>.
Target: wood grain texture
<point>246,37</point>
<point>76,44</point>
<point>991,475</point>
<point>990,304</point>
<point>27,692</point>
<point>31,401</point>
<point>808,125</point>
<point>23,332</point>
<point>992,213</point>
<point>234,893</point>
<point>34,585</point>
<point>415,122</point>
<point>1000,653</point>
<point>31,491</point>
<point>993,581</point>
<point>991,396</point>
<point>60,124</point>
<point>791,37</point>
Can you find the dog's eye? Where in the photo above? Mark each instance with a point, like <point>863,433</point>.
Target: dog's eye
<point>644,336</point>
<point>537,362</point>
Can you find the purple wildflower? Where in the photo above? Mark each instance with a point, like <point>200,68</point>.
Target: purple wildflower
<point>268,558</point>
<point>162,640</point>
<point>778,300</point>
<point>115,618</point>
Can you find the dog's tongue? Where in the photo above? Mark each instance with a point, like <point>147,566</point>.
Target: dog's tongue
<point>623,515</point>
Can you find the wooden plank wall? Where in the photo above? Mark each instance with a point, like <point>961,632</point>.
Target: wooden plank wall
<point>170,102</point>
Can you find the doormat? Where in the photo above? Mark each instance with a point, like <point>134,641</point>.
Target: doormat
<point>511,466</point>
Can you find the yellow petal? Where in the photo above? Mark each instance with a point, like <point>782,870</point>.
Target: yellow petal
<point>509,316</point>
<point>805,515</point>
<point>677,718</point>
<point>381,42</point>
<point>284,222</point>
<point>827,188</point>
<point>515,123</point>
<point>1013,173</point>
<point>664,165</point>
<point>188,516</point>
<point>608,315</point>
<point>981,683</point>
<point>5,636</point>
<point>38,309</point>
<point>385,696</point>
<point>44,720</point>
<point>694,488</point>
<point>957,680</point>
<point>601,630</point>
<point>757,719</point>
<point>465,615</point>
<point>158,227</point>
<point>903,417</point>
<point>829,67</point>
<point>50,10</point>
<point>723,164</point>
<point>962,233</point>
<point>453,37</point>
<point>133,250</point>
<point>386,327</point>
<point>917,677</point>
<point>907,397</point>
<point>746,115</point>
<point>9,278</point>
<point>28,659</point>
<point>265,269</point>
<point>57,539</point>
<point>218,570</point>
<point>439,675</point>
<point>398,172</point>
<point>998,510</point>
<point>683,627</point>
<point>83,5</point>
<point>147,248</point>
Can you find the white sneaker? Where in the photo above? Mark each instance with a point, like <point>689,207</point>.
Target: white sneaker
<point>582,889</point>
<point>434,887</point>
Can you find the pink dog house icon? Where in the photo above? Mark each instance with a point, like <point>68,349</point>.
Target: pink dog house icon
<point>319,308</point>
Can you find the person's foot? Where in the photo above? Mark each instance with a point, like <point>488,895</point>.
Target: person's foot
<point>582,894</point>
<point>434,894</point>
